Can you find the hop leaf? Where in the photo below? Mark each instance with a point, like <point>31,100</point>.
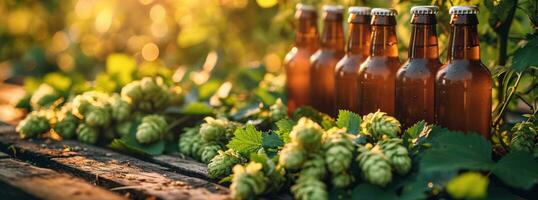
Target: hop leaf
<point>284,128</point>
<point>378,124</point>
<point>246,141</point>
<point>292,156</point>
<point>374,167</point>
<point>307,134</point>
<point>309,188</point>
<point>221,165</point>
<point>248,181</point>
<point>469,185</point>
<point>34,124</point>
<point>349,120</point>
<point>152,129</point>
<point>87,134</point>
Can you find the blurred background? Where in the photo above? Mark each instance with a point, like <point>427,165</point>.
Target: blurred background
<point>65,42</point>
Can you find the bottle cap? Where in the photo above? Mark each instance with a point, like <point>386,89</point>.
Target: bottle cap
<point>424,10</point>
<point>333,8</point>
<point>359,10</point>
<point>306,7</point>
<point>384,11</point>
<point>463,10</point>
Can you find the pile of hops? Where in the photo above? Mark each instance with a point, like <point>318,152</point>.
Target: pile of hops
<point>304,154</point>
<point>148,94</point>
<point>205,142</point>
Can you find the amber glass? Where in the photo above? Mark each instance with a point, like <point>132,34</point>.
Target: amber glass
<point>463,84</point>
<point>297,61</point>
<point>357,50</point>
<point>324,61</point>
<point>377,73</point>
<point>415,80</point>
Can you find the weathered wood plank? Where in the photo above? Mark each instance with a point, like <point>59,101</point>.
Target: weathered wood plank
<point>110,169</point>
<point>182,165</point>
<point>24,181</point>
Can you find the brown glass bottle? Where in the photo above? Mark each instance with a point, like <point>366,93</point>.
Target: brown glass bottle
<point>297,61</point>
<point>415,80</point>
<point>357,50</point>
<point>377,73</point>
<point>463,84</point>
<point>322,95</point>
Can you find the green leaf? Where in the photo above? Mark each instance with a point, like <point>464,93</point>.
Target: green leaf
<point>349,120</point>
<point>369,191</point>
<point>271,140</point>
<point>526,56</point>
<point>415,130</point>
<point>129,144</point>
<point>284,127</point>
<point>517,169</point>
<point>456,150</point>
<point>265,96</point>
<point>246,141</point>
<point>196,108</point>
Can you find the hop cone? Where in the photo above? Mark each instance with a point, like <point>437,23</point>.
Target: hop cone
<point>87,134</point>
<point>152,129</point>
<point>67,125</point>
<point>378,124</point>
<point>187,140</point>
<point>148,94</point>
<point>213,130</point>
<point>209,151</point>
<point>97,116</point>
<point>374,167</point>
<point>221,165</point>
<point>397,155</point>
<point>292,156</point>
<point>338,150</point>
<point>307,134</point>
<point>120,109</point>
<point>34,124</point>
<point>314,167</point>
<point>278,111</point>
<point>123,128</point>
<point>309,188</point>
<point>523,137</point>
<point>85,102</point>
<point>248,181</point>
<point>342,180</point>
<point>43,97</point>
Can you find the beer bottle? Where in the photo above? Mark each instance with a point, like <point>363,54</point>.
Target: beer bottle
<point>415,80</point>
<point>297,61</point>
<point>324,61</point>
<point>463,84</point>
<point>377,73</point>
<point>358,49</point>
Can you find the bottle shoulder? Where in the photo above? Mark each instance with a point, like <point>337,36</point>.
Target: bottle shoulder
<point>378,64</point>
<point>350,63</point>
<point>419,68</point>
<point>463,70</point>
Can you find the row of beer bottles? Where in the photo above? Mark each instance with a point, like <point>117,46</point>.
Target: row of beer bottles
<point>365,74</point>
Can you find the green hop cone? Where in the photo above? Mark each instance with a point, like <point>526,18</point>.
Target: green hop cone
<point>187,140</point>
<point>523,137</point>
<point>86,102</point>
<point>278,111</point>
<point>44,97</point>
<point>87,134</point>
<point>67,125</point>
<point>120,109</point>
<point>397,155</point>
<point>378,124</point>
<point>213,130</point>
<point>307,134</point>
<point>123,128</point>
<point>374,166</point>
<point>221,165</point>
<point>34,124</point>
<point>248,181</point>
<point>309,188</point>
<point>148,94</point>
<point>469,185</point>
<point>342,180</point>
<point>152,129</point>
<point>292,156</point>
<point>209,151</point>
<point>314,167</point>
<point>97,116</point>
<point>338,148</point>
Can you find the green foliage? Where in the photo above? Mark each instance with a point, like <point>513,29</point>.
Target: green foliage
<point>524,56</point>
<point>349,120</point>
<point>284,127</point>
<point>517,169</point>
<point>246,140</point>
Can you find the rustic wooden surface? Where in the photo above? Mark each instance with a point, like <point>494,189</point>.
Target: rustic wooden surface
<point>106,168</point>
<point>30,182</point>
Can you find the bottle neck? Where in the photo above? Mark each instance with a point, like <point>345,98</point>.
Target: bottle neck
<point>332,36</point>
<point>464,42</point>
<point>306,33</point>
<point>384,41</point>
<point>359,35</point>
<point>423,42</point>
